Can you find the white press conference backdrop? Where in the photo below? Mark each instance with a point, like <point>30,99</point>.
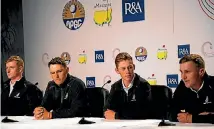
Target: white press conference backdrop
<point>89,34</point>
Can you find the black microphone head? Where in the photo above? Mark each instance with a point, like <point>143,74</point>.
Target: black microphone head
<point>36,83</point>
<point>109,81</point>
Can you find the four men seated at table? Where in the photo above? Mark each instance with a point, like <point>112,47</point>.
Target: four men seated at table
<point>130,97</point>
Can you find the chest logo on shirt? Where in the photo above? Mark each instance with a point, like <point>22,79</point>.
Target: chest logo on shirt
<point>66,96</point>
<point>17,95</point>
<point>207,100</point>
<point>133,98</point>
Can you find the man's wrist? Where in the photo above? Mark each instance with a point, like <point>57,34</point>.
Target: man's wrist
<point>50,115</point>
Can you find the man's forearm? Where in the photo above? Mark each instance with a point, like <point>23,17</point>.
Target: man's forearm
<point>203,118</point>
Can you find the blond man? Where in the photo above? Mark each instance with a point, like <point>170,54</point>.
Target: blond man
<point>18,97</point>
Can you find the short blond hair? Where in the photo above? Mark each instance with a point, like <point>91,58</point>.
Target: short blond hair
<point>197,59</point>
<point>18,60</point>
<point>121,57</point>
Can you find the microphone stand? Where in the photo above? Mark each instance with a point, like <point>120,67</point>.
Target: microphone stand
<point>109,81</point>
<point>163,122</point>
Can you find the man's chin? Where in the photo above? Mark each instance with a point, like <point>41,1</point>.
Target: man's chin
<point>128,79</point>
<point>58,83</point>
<point>187,85</point>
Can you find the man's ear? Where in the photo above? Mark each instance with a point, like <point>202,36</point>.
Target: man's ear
<point>202,72</point>
<point>134,66</point>
<point>67,69</point>
<point>116,70</point>
<point>21,69</point>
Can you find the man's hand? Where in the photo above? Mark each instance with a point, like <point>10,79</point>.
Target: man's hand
<point>109,114</point>
<point>41,113</point>
<point>184,117</point>
<point>206,113</point>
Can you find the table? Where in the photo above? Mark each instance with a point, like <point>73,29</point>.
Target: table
<point>26,122</point>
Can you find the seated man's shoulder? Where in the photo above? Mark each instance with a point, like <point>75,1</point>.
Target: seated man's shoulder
<point>51,84</point>
<point>211,79</point>
<point>77,81</point>
<point>30,86</point>
<point>181,86</point>
<point>6,84</point>
<point>117,84</point>
<point>143,82</point>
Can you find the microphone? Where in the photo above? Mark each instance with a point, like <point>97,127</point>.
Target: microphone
<point>109,81</point>
<point>84,121</point>
<point>7,120</point>
<point>36,84</point>
<point>163,122</point>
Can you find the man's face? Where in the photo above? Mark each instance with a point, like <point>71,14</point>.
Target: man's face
<point>58,73</point>
<point>13,70</point>
<point>126,70</point>
<point>190,74</point>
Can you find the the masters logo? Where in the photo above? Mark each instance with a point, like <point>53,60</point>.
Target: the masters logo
<point>162,53</point>
<point>133,10</point>
<point>152,80</point>
<point>103,13</point>
<point>73,15</point>
<point>82,59</point>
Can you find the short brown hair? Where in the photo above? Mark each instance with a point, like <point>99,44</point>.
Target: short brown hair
<point>18,60</point>
<point>121,57</point>
<point>197,59</point>
<point>57,60</point>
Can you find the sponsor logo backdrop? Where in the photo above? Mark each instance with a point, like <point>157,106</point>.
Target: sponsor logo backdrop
<point>90,34</point>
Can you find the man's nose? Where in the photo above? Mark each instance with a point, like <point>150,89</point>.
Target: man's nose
<point>183,76</point>
<point>7,70</point>
<point>57,75</point>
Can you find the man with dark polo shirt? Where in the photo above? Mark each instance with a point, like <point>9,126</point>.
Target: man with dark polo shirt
<point>193,99</point>
<point>64,96</point>
<point>131,95</point>
<point>19,97</point>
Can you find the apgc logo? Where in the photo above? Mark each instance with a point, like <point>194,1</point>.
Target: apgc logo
<point>73,15</point>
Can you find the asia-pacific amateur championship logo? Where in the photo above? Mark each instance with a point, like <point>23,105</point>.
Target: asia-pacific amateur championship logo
<point>103,13</point>
<point>66,56</point>
<point>141,54</point>
<point>73,15</point>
